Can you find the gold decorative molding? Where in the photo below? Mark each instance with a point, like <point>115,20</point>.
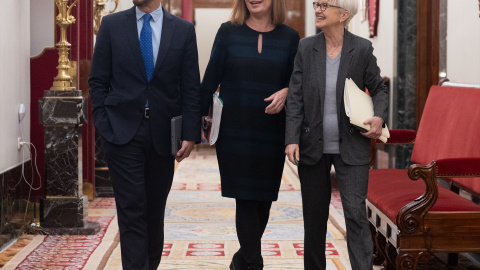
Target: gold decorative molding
<point>63,81</point>
<point>88,190</point>
<point>98,12</point>
<point>97,15</point>
<point>72,72</point>
<point>116,6</point>
<point>61,97</point>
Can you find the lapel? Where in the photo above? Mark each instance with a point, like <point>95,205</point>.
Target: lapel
<point>320,66</point>
<point>130,23</point>
<point>167,32</point>
<point>345,63</point>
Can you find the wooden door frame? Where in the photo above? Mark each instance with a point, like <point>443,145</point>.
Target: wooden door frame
<point>210,4</point>
<point>229,4</point>
<point>428,52</point>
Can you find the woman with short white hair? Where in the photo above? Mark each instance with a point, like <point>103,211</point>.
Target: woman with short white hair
<point>319,133</point>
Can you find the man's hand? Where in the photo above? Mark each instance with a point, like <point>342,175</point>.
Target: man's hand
<point>293,153</point>
<point>278,101</point>
<point>184,152</point>
<point>375,127</point>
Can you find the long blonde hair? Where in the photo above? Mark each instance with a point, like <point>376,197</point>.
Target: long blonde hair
<point>240,12</point>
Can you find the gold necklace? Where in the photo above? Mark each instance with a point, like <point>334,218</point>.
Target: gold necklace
<point>333,50</point>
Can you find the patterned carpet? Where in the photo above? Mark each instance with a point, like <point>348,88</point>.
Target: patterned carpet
<point>66,252</point>
<point>200,225</point>
<point>199,229</point>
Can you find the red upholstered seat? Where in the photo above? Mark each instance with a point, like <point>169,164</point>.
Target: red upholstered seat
<point>446,145</point>
<point>446,130</point>
<point>391,189</point>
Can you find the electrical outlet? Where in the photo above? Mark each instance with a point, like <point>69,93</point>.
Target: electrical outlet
<point>21,112</point>
<point>19,143</point>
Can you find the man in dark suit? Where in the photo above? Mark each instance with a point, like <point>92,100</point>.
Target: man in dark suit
<point>144,72</point>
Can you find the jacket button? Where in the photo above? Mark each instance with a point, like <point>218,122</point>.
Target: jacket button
<point>352,131</point>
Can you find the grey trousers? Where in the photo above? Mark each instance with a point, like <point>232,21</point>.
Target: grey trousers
<point>316,194</point>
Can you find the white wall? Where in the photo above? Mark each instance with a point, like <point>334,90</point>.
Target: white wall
<point>42,25</point>
<point>463,42</point>
<point>122,5</point>
<point>310,28</point>
<point>14,78</point>
<point>208,20</point>
<point>384,42</point>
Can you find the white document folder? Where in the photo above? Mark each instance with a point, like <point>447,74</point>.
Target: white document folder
<point>217,107</point>
<point>359,107</point>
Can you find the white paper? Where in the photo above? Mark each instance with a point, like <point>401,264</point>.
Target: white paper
<point>359,107</point>
<point>216,118</point>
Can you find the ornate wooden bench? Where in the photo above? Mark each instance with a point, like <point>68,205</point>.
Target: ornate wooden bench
<point>412,219</point>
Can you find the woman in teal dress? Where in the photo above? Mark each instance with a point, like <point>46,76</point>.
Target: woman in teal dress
<point>251,60</point>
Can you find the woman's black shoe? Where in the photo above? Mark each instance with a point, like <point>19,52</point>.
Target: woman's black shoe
<point>238,263</point>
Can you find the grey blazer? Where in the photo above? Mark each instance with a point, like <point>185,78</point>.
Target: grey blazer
<point>306,94</point>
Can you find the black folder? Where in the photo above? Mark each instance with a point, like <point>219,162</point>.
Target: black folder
<point>176,138</point>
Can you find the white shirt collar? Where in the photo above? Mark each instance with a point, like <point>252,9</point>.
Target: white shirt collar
<point>156,14</point>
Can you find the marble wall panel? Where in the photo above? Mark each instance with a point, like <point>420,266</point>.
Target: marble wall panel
<point>62,174</point>
<point>15,210</point>
<point>64,212</point>
<point>406,75</point>
<point>442,60</point>
<point>62,111</point>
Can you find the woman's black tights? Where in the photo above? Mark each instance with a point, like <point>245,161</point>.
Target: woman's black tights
<point>251,220</point>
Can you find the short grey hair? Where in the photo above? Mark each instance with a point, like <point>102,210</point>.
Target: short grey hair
<point>350,5</point>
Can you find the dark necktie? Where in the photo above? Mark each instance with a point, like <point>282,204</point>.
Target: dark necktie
<point>146,45</point>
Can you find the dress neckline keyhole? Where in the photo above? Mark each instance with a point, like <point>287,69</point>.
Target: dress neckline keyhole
<point>260,43</point>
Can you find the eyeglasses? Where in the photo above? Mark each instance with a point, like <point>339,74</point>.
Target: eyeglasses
<point>323,6</point>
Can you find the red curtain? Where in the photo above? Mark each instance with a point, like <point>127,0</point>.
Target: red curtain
<point>187,10</point>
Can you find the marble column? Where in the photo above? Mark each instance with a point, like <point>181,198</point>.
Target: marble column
<point>406,75</point>
<point>64,210</point>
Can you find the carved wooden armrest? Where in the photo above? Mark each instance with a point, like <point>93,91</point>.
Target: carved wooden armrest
<point>410,217</point>
<point>458,167</point>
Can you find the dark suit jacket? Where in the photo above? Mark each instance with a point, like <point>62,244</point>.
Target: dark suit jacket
<point>306,97</point>
<point>119,86</point>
